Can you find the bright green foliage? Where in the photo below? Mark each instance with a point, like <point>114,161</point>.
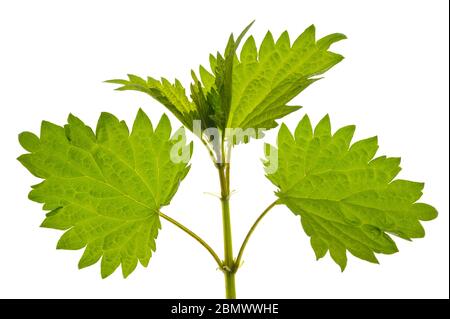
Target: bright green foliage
<point>105,189</point>
<point>172,96</point>
<point>265,80</point>
<point>249,90</point>
<point>346,198</point>
<point>217,91</point>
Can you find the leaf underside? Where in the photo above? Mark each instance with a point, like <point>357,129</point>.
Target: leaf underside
<point>104,189</point>
<point>250,90</point>
<point>346,198</point>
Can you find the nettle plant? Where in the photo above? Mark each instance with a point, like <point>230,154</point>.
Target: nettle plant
<point>106,188</point>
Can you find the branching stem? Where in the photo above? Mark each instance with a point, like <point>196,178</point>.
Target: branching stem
<point>250,232</point>
<point>195,236</point>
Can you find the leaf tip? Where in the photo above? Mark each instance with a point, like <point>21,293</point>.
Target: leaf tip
<point>72,119</point>
<point>59,245</point>
<point>126,272</point>
<point>311,28</point>
<point>44,224</point>
<point>104,275</point>
<point>305,118</point>
<point>29,141</point>
<point>141,113</point>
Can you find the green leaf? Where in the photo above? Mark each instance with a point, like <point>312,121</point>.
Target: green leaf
<point>105,189</point>
<point>171,95</point>
<point>247,91</point>
<point>346,198</point>
<point>223,69</point>
<point>266,80</point>
<point>204,108</point>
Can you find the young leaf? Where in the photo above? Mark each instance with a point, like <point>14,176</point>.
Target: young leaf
<point>171,95</point>
<point>220,97</point>
<point>249,91</point>
<point>346,198</point>
<point>265,80</point>
<point>104,189</point>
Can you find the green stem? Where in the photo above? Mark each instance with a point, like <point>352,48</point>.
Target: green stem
<point>249,234</point>
<point>210,151</point>
<point>230,286</point>
<point>195,236</point>
<point>228,263</point>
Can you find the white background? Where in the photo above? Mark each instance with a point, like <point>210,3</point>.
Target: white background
<point>393,83</point>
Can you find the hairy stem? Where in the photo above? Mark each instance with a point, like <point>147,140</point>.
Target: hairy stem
<point>195,236</point>
<point>250,232</point>
<point>228,263</point>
